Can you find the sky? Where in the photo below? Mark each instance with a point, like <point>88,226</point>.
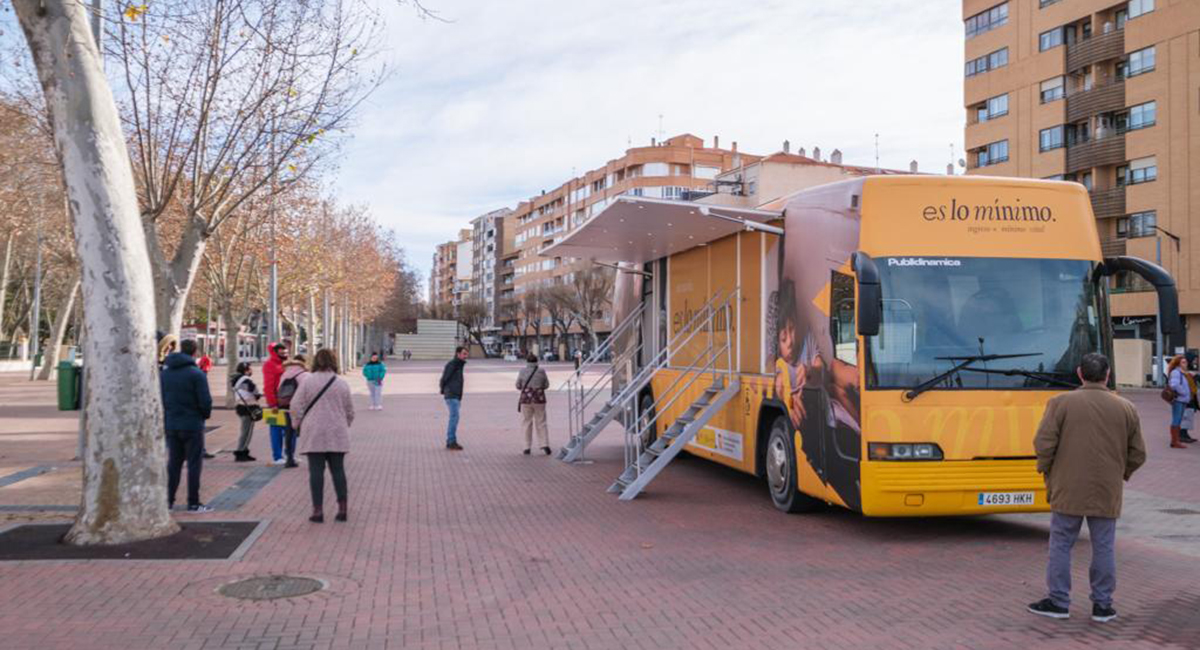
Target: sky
<point>506,99</point>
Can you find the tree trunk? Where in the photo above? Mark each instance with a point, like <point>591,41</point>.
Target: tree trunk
<point>124,469</point>
<point>4,277</point>
<point>173,278</point>
<point>50,360</point>
<point>312,324</point>
<point>231,352</point>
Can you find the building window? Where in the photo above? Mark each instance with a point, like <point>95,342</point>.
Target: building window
<point>995,107</point>
<point>1051,138</point>
<point>1138,224</point>
<point>992,154</point>
<point>985,21</point>
<point>672,193</point>
<point>656,169</point>
<point>1139,117</point>
<point>1052,90</point>
<point>1050,39</point>
<point>1139,62</point>
<point>1139,7</point>
<point>997,59</point>
<point>1042,4</point>
<point>1142,170</point>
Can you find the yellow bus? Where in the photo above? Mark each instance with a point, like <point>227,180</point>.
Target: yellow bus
<point>885,344</point>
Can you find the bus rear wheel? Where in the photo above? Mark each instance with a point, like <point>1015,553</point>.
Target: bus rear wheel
<point>781,470</point>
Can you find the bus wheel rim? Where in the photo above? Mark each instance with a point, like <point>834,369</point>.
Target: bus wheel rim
<point>777,466</point>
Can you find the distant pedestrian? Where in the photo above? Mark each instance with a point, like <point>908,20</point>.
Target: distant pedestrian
<point>1189,414</point>
<point>294,370</point>
<point>578,359</point>
<point>1177,382</point>
<point>374,372</point>
<point>1088,442</point>
<point>451,388</point>
<point>533,382</point>
<point>187,403</point>
<point>247,409</point>
<point>205,363</point>
<point>272,371</point>
<point>322,411</point>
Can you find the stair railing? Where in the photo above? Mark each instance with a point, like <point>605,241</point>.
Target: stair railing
<point>580,393</point>
<point>704,364</point>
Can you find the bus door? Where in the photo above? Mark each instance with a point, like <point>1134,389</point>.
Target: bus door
<point>841,440</point>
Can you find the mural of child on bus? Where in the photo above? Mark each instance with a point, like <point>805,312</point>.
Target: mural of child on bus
<point>816,374</point>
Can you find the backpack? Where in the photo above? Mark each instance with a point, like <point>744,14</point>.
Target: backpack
<point>283,396</point>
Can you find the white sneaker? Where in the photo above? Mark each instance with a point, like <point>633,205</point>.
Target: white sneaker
<point>279,461</point>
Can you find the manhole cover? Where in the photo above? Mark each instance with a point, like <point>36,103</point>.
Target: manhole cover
<point>271,587</point>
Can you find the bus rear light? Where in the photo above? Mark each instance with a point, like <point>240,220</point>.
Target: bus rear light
<point>904,451</point>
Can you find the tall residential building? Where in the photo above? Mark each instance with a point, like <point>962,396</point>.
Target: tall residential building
<point>488,237</point>
<point>667,170</point>
<point>450,278</point>
<point>1105,94</point>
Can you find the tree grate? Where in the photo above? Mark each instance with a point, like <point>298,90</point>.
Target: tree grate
<point>271,587</point>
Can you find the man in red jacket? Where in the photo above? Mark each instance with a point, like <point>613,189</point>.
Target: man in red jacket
<point>272,370</point>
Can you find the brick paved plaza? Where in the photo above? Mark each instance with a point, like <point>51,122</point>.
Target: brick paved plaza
<point>491,549</point>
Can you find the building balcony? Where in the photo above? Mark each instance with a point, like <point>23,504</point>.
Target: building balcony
<point>1107,150</point>
<point>1112,247</point>
<point>1100,47</point>
<point>1109,203</point>
<point>1086,103</point>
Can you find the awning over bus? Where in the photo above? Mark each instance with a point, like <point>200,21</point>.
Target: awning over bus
<point>637,230</point>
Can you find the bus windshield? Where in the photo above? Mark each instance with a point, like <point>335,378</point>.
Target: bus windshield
<point>1040,315</point>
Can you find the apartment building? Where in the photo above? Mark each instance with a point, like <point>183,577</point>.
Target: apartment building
<point>488,237</point>
<point>672,169</point>
<point>450,278</point>
<point>1105,94</point>
<point>767,179</point>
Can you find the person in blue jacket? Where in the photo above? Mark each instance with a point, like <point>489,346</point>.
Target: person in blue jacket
<point>374,372</point>
<point>187,403</point>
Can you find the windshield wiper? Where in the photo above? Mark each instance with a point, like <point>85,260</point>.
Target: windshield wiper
<point>1040,376</point>
<point>964,362</point>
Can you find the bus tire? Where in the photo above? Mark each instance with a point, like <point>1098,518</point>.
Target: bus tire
<point>780,461</point>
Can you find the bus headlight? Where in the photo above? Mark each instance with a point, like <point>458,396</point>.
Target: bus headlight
<point>904,451</point>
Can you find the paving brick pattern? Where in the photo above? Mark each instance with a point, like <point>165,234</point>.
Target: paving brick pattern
<point>488,548</point>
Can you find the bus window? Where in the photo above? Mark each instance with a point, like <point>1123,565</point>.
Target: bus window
<point>842,327</point>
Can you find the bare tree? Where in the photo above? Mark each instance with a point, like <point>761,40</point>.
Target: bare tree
<point>223,98</point>
<point>472,314</point>
<point>592,291</point>
<point>556,302</point>
<point>124,471</point>
<point>532,306</point>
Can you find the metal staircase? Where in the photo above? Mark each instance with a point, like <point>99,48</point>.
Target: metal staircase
<point>644,461</point>
<point>586,389</point>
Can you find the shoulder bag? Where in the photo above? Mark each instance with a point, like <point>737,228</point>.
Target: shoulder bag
<point>253,411</point>
<point>314,403</point>
<point>531,395</point>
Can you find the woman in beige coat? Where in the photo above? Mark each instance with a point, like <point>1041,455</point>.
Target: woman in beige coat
<point>322,414</point>
<point>533,382</point>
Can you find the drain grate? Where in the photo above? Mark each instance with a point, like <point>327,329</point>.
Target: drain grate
<point>271,587</point>
<point>1180,511</point>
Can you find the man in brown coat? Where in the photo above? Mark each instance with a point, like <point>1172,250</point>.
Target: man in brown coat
<point>1088,443</point>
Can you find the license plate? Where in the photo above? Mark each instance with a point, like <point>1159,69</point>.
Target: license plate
<point>1006,498</point>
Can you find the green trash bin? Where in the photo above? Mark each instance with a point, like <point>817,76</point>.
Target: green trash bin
<point>68,386</point>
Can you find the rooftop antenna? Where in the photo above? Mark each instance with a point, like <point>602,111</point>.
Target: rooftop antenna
<point>660,127</point>
<point>951,157</point>
<point>877,153</point>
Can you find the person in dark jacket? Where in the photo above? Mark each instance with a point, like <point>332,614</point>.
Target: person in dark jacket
<point>186,405</point>
<point>451,388</point>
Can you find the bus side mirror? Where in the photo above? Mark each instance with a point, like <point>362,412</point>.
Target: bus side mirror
<point>870,296</point>
<point>1157,276</point>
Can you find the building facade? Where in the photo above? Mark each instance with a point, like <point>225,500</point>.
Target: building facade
<point>1105,94</point>
<point>668,170</point>
<point>450,278</point>
<point>488,236</point>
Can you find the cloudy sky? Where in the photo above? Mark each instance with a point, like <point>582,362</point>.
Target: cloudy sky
<point>507,98</point>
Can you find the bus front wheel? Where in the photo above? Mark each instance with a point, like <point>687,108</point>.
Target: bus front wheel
<point>781,470</point>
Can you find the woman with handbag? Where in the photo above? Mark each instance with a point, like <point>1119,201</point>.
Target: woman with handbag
<point>322,413</point>
<point>247,410</point>
<point>1180,394</point>
<point>533,382</point>
<point>1189,414</point>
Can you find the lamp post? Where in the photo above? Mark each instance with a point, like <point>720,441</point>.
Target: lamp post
<point>1158,337</point>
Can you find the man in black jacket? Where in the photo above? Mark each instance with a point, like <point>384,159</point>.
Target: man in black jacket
<point>451,388</point>
<point>186,405</point>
